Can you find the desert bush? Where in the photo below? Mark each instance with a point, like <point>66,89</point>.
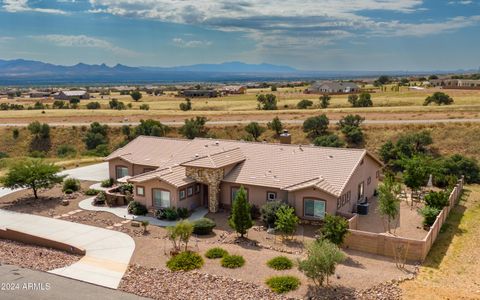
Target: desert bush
<point>329,140</point>
<point>107,183</point>
<point>68,191</point>
<point>145,107</point>
<point>136,208</point>
<point>334,229</point>
<point>185,261</point>
<point>283,284</point>
<point>93,105</point>
<point>180,233</point>
<point>66,150</point>
<point>203,226</point>
<point>280,263</point>
<point>268,213</point>
<point>100,199</point>
<point>437,199</point>
<point>232,261</point>
<point>287,221</point>
<point>304,104</point>
<point>92,192</point>
<point>168,213</point>
<point>183,212</point>
<point>71,184</point>
<point>216,252</point>
<point>3,155</point>
<point>429,215</point>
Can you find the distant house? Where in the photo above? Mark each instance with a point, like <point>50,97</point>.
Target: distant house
<point>68,95</point>
<point>456,83</point>
<point>198,93</point>
<point>39,94</point>
<point>234,89</point>
<point>333,87</point>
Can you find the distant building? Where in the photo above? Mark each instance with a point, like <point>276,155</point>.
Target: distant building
<point>39,94</point>
<point>333,87</point>
<point>68,95</point>
<point>198,93</point>
<point>234,89</point>
<point>456,83</point>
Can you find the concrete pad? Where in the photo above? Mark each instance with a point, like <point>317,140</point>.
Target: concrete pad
<point>96,172</point>
<point>107,255</point>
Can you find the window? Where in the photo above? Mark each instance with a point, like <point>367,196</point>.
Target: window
<point>197,188</point>
<point>271,196</point>
<point>121,172</point>
<point>369,180</point>
<point>361,187</point>
<point>161,198</point>
<point>181,194</point>
<point>190,191</point>
<point>140,191</point>
<point>314,208</point>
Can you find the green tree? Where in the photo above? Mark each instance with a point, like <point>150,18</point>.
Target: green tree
<point>255,130</point>
<point>324,101</point>
<point>240,219</point>
<point>416,171</point>
<point>34,174</point>
<point>304,104</point>
<point>275,125</point>
<point>93,105</point>
<point>330,140</point>
<point>388,202</point>
<point>322,259</point>
<point>438,98</point>
<point>316,126</point>
<point>40,136</point>
<point>459,165</point>
<point>267,102</point>
<point>96,135</point>
<point>115,104</point>
<point>180,233</point>
<point>350,121</point>
<point>187,105</point>
<point>364,100</point>
<point>383,79</point>
<point>287,221</point>
<point>151,127</point>
<point>194,127</point>
<point>136,95</point>
<point>334,229</point>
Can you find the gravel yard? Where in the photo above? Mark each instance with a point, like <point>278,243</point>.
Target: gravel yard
<point>34,257</point>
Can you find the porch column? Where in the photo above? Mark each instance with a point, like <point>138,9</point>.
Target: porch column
<point>213,192</point>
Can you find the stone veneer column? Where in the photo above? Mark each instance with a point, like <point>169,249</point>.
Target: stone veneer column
<point>212,178</point>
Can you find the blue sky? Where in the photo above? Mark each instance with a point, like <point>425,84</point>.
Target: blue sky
<point>306,34</point>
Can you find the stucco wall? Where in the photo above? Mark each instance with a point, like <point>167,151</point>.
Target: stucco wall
<point>296,199</point>
<point>133,169</point>
<point>257,195</point>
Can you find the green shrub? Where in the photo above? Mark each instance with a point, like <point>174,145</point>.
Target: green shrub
<point>182,212</point>
<point>66,150</point>
<point>185,261</point>
<point>71,184</point>
<point>280,263</point>
<point>136,208</point>
<point>144,107</point>
<point>93,105</point>
<point>216,252</point>
<point>268,213</point>
<point>92,192</point>
<point>304,104</point>
<point>3,155</point>
<point>429,215</point>
<point>283,284</point>
<point>437,199</point>
<point>100,199</point>
<point>68,191</point>
<point>233,261</point>
<point>107,183</point>
<point>334,229</point>
<point>169,213</point>
<point>203,226</point>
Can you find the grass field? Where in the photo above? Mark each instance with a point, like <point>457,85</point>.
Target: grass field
<point>452,269</point>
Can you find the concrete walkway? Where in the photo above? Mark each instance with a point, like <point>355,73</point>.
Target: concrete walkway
<point>107,255</point>
<point>96,172</point>
<point>122,212</point>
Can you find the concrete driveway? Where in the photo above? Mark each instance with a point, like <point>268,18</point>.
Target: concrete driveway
<point>50,287</point>
<point>107,255</point>
<point>96,172</point>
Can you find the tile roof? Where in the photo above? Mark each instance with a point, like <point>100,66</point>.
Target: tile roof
<point>288,167</point>
<point>172,175</point>
<point>74,93</point>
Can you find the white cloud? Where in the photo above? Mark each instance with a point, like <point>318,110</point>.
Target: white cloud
<point>14,6</point>
<point>182,43</point>
<point>465,2</point>
<point>83,41</point>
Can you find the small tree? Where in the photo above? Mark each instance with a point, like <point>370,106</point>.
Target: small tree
<point>180,233</point>
<point>268,212</point>
<point>267,102</point>
<point>255,130</point>
<point>439,98</point>
<point>287,221</point>
<point>240,220</point>
<point>331,140</point>
<point>321,262</point>
<point>388,202</point>
<point>316,126</point>
<point>96,135</point>
<point>304,104</point>
<point>136,95</point>
<point>33,174</point>
<point>324,101</point>
<point>334,229</point>
<point>275,125</point>
<point>187,105</point>
<point>151,128</point>
<point>194,127</point>
<point>364,100</point>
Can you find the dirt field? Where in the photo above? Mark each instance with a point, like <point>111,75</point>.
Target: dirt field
<point>452,269</point>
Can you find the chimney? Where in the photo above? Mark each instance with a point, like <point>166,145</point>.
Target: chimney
<point>285,137</point>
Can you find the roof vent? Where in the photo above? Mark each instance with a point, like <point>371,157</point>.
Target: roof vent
<point>330,156</point>
<point>197,155</point>
<point>217,143</point>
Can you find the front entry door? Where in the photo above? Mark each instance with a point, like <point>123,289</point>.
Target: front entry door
<point>205,196</point>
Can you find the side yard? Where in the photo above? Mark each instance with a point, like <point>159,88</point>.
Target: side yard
<point>451,270</point>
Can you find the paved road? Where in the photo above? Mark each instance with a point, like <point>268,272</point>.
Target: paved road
<point>236,122</point>
<point>108,252</point>
<point>60,288</point>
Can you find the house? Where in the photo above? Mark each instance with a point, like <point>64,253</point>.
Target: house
<point>465,84</point>
<point>169,172</point>
<point>39,94</point>
<point>69,95</point>
<point>333,87</point>
<point>234,89</point>
<point>198,93</point>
